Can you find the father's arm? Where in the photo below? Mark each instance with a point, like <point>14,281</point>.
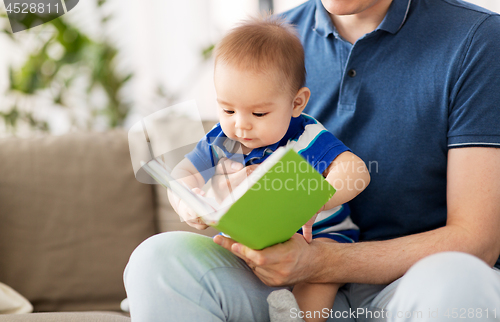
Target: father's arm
<point>473,226</point>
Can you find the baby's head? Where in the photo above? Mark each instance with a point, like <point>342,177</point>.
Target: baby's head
<point>259,78</point>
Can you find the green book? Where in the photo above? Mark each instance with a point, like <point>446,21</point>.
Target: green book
<point>280,196</point>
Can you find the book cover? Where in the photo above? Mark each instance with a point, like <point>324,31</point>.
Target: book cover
<point>283,199</point>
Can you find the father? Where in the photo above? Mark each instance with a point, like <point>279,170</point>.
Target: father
<point>413,88</point>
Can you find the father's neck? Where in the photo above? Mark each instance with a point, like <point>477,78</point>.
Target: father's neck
<point>353,26</point>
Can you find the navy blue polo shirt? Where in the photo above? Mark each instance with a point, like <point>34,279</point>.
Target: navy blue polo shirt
<point>426,80</point>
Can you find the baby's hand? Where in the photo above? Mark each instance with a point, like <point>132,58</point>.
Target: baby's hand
<point>307,228</point>
<point>189,215</point>
<point>228,175</point>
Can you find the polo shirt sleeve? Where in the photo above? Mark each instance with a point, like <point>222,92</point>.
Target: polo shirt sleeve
<point>319,146</point>
<point>474,110</point>
<point>202,157</point>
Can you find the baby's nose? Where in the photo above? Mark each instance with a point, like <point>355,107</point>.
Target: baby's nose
<point>243,123</point>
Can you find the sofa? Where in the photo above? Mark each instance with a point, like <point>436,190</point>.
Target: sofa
<point>71,213</point>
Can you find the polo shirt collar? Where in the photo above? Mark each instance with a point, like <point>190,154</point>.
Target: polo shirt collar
<point>324,25</point>
<point>396,16</point>
<point>393,21</point>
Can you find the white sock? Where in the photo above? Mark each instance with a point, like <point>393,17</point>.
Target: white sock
<point>282,305</point>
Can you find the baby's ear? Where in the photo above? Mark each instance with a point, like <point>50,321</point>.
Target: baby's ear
<point>300,101</point>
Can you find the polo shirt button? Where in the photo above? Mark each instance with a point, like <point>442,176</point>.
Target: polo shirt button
<point>351,73</point>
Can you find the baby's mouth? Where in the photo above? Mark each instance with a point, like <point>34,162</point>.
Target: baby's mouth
<point>243,139</point>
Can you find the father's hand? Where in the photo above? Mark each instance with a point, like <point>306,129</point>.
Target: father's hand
<point>228,175</point>
<point>283,264</point>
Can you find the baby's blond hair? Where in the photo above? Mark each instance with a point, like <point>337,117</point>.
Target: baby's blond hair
<point>266,45</point>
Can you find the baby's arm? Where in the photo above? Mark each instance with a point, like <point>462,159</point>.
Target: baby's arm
<point>187,173</point>
<point>349,176</point>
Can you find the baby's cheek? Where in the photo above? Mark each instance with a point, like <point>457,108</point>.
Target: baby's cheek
<point>277,132</point>
<point>226,129</point>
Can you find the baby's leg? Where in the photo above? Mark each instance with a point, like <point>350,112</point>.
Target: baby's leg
<point>315,300</point>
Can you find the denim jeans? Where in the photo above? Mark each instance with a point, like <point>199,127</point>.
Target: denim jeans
<point>181,276</point>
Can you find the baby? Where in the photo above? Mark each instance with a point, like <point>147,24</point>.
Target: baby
<point>259,79</point>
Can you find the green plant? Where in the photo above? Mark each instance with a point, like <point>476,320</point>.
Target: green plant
<point>78,57</point>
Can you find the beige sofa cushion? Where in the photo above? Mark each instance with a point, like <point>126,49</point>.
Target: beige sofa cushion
<point>71,213</point>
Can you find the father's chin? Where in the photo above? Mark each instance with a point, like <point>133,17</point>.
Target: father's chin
<point>349,7</point>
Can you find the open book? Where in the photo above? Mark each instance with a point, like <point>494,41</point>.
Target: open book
<point>273,202</point>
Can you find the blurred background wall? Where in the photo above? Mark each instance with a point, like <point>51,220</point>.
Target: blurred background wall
<point>106,63</point>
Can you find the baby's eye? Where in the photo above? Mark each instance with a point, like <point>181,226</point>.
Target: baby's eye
<point>259,114</point>
<point>228,111</point>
